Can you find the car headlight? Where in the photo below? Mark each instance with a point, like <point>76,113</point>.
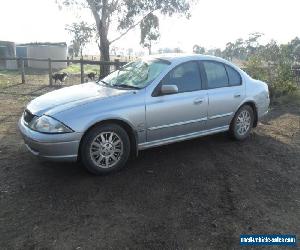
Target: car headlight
<point>46,124</point>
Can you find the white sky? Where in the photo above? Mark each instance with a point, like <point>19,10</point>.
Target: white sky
<point>213,23</point>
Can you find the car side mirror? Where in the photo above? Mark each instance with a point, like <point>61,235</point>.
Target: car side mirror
<point>168,89</point>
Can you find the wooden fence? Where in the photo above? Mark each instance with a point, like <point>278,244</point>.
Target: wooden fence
<point>116,64</point>
<point>21,62</point>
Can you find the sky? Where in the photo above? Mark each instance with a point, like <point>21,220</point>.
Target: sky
<point>213,23</point>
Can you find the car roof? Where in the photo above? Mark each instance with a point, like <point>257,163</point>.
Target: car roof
<point>181,57</point>
<point>177,58</point>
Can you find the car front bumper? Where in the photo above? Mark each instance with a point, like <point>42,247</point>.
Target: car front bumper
<point>59,147</point>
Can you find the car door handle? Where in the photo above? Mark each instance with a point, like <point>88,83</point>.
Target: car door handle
<point>237,95</point>
<point>198,100</point>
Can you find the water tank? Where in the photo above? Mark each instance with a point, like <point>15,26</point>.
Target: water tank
<point>8,49</point>
<point>45,51</point>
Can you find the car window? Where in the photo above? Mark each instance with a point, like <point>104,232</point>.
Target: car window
<point>216,75</point>
<point>137,74</point>
<point>234,77</point>
<point>185,76</point>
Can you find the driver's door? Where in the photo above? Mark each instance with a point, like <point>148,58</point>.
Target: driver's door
<point>181,113</point>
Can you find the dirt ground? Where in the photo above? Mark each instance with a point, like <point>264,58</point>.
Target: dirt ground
<point>198,194</point>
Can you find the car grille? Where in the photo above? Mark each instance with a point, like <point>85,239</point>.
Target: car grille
<point>27,116</point>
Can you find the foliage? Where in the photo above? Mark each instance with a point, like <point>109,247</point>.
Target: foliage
<point>126,15</point>
<point>276,73</point>
<point>252,43</point>
<point>149,31</point>
<point>198,49</point>
<point>256,68</point>
<point>271,63</point>
<point>296,53</point>
<point>214,52</point>
<point>82,34</point>
<point>270,52</point>
<point>170,50</point>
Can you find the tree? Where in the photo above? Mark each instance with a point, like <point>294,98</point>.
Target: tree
<point>177,50</point>
<point>126,14</point>
<point>252,42</point>
<point>82,34</point>
<point>214,52</point>
<point>218,52</point>
<point>149,31</point>
<point>270,52</point>
<point>239,50</point>
<point>198,49</point>
<point>229,51</point>
<point>296,53</point>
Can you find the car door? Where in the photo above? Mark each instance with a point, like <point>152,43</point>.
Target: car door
<point>225,92</point>
<point>181,113</point>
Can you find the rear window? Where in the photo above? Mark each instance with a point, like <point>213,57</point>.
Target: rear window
<point>234,76</point>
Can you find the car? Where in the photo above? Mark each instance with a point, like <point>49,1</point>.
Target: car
<point>150,102</point>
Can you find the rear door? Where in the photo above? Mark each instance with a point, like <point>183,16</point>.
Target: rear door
<point>225,92</point>
<point>181,113</point>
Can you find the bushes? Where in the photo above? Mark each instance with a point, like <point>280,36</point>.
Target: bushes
<point>278,76</point>
<point>271,62</point>
<point>283,83</point>
<point>256,69</point>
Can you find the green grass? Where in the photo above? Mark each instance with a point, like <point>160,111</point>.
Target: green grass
<point>11,77</point>
<point>72,69</point>
<point>75,69</point>
<point>4,72</point>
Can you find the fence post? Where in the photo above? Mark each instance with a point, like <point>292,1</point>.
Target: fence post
<point>22,70</point>
<point>50,71</point>
<point>117,64</point>
<point>81,71</point>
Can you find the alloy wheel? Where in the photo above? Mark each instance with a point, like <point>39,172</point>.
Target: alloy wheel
<point>106,149</point>
<point>243,122</point>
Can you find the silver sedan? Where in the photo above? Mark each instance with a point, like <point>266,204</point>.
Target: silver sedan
<point>147,103</point>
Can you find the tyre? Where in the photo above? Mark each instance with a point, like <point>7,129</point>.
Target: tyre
<point>105,148</point>
<point>242,123</point>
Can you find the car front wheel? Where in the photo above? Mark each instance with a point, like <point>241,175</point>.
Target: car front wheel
<point>242,123</point>
<point>105,148</point>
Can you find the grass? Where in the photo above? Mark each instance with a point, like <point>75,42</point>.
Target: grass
<point>72,69</point>
<point>8,77</point>
<point>75,69</point>
<point>290,98</point>
<point>4,72</point>
<point>40,76</point>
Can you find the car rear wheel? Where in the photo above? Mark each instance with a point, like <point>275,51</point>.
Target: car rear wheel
<point>242,123</point>
<point>105,148</point>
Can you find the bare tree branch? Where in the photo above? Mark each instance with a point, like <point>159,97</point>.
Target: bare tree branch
<point>130,28</point>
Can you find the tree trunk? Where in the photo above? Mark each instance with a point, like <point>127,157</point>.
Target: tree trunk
<point>102,24</point>
<point>104,55</point>
<point>149,47</point>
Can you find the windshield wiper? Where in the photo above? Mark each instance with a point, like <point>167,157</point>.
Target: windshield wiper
<point>126,86</point>
<point>105,83</point>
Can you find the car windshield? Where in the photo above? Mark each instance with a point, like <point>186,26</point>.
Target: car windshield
<point>136,74</point>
